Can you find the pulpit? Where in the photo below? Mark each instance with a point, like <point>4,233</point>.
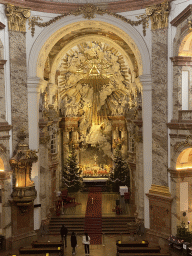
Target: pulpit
<point>23,195</point>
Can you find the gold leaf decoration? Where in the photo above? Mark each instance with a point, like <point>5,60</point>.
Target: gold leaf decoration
<point>17,17</point>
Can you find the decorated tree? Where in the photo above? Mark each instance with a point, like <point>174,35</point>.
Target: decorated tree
<point>120,175</point>
<point>71,173</point>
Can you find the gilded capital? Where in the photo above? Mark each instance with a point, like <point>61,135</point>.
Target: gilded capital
<point>17,17</point>
<point>159,15</point>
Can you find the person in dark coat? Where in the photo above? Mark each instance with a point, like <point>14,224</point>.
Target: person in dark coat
<point>73,242</point>
<point>63,232</point>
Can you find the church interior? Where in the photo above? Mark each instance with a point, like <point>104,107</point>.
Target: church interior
<point>95,123</point>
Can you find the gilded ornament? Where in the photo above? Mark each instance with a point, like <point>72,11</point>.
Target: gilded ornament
<point>158,15</point>
<point>17,17</point>
<point>190,25</point>
<point>89,11</point>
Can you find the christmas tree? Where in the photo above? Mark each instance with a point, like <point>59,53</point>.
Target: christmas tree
<point>120,175</point>
<point>71,172</point>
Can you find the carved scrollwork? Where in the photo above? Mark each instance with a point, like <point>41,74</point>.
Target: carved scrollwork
<point>89,11</point>
<point>185,143</point>
<point>158,13</point>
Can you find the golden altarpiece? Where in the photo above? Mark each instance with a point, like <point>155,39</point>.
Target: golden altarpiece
<point>98,95</point>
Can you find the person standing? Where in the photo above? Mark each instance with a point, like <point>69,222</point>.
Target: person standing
<point>73,242</point>
<point>86,242</point>
<point>63,232</point>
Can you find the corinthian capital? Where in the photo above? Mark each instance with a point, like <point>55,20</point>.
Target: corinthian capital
<point>159,15</point>
<point>17,17</point>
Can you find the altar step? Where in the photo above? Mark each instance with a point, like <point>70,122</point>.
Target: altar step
<point>110,225</point>
<point>118,224</point>
<point>74,224</point>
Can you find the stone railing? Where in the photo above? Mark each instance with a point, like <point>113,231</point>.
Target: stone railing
<point>185,116</point>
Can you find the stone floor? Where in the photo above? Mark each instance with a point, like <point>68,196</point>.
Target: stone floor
<point>108,246</point>
<point>108,204</point>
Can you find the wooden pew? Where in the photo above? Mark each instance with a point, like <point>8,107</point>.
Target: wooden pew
<point>40,250</point>
<point>144,254</point>
<point>138,249</point>
<point>37,244</point>
<point>133,244</point>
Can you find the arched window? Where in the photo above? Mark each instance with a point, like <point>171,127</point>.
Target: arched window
<point>2,168</point>
<point>184,160</point>
<point>185,50</point>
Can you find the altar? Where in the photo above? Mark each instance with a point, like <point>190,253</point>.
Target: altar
<point>95,182</point>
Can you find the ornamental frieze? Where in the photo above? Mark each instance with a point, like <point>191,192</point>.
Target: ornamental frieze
<point>157,13</point>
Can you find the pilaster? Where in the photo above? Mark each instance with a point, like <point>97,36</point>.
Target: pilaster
<point>17,41</point>
<point>160,215</point>
<point>147,143</point>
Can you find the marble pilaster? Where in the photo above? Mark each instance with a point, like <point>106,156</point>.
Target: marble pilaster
<point>18,80</point>
<point>139,195</point>
<point>159,107</point>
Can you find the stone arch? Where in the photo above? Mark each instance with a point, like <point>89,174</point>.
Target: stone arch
<point>79,40</point>
<point>184,160</point>
<point>4,158</point>
<point>36,62</point>
<point>178,153</point>
<point>185,48</point>
<point>46,39</point>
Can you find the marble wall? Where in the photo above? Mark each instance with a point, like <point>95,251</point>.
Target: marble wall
<point>159,107</point>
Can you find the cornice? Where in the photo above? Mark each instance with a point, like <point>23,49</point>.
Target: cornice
<point>157,190</point>
<point>181,61</point>
<point>4,126</point>
<point>2,26</point>
<point>179,126</point>
<point>157,197</point>
<point>60,8</point>
<point>180,173</point>
<point>182,16</point>
<point>2,63</point>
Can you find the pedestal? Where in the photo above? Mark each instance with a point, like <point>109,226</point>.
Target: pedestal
<point>160,215</point>
<point>23,233</point>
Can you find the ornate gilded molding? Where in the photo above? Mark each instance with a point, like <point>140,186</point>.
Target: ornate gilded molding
<point>158,13</point>
<point>160,190</point>
<point>17,17</point>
